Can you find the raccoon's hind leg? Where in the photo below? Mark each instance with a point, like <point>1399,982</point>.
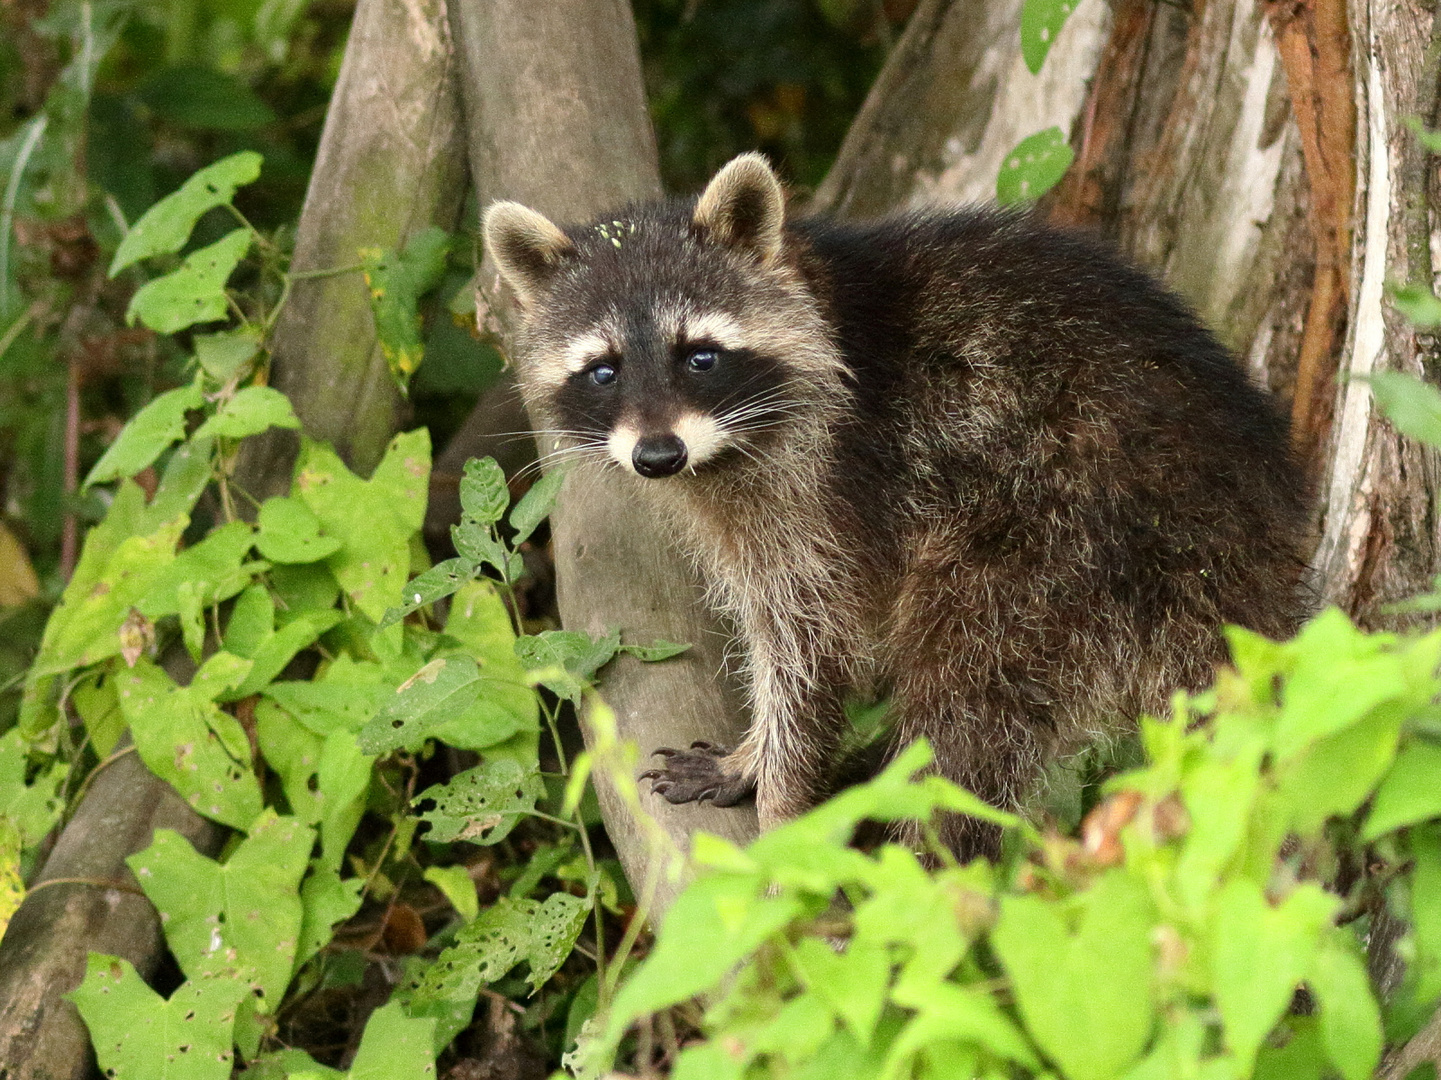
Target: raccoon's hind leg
<point>698,775</point>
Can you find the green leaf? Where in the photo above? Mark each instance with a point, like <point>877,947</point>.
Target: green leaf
<point>1086,995</point>
<point>250,412</point>
<point>290,532</point>
<point>374,518</point>
<point>1431,140</point>
<point>140,1036</point>
<point>577,654</point>
<point>1041,22</point>
<point>535,505</point>
<point>427,700</point>
<point>32,808</point>
<point>242,918</point>
<point>346,695</point>
<point>659,650</point>
<point>276,650</point>
<point>225,355</point>
<point>1034,167</point>
<point>146,437</point>
<point>853,983</point>
<point>713,925</point>
<point>193,294</point>
<point>487,948</point>
<point>395,1047</point>
<point>186,741</point>
<point>458,886</point>
<point>1412,405</point>
<point>396,282</point>
<point>481,805</point>
<point>479,622</point>
<point>327,900</point>
<point>1410,793</point>
<point>164,228</point>
<point>112,577</point>
<point>951,1014</point>
<point>1424,844</point>
<point>1417,303</point>
<point>1336,775</point>
<point>1259,955</point>
<point>214,569</point>
<point>483,492</point>
<point>439,581</point>
<point>1350,1020</point>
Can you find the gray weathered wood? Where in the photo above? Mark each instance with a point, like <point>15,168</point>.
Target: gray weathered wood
<point>44,950</point>
<point>391,162</point>
<point>556,118</point>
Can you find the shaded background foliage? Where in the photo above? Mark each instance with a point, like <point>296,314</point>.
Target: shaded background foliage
<point>171,87</point>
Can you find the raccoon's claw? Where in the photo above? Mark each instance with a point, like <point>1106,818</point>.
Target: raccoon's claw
<point>696,775</point>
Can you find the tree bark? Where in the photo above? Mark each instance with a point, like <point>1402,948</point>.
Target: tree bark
<point>43,953</point>
<point>391,163</point>
<point>556,118</point>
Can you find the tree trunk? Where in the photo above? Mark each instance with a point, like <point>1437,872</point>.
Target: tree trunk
<point>391,163</point>
<point>556,118</point>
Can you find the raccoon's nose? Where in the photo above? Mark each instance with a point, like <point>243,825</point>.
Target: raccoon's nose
<point>659,455</point>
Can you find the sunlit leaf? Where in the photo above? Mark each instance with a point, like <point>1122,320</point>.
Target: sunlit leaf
<point>251,411</point>
<point>1034,167</point>
<point>1041,22</point>
<point>193,294</point>
<point>147,435</point>
<point>165,227</point>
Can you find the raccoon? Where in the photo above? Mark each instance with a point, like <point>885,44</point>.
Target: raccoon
<point>954,456</point>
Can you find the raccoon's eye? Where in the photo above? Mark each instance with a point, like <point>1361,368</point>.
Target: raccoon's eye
<point>702,360</point>
<point>602,374</point>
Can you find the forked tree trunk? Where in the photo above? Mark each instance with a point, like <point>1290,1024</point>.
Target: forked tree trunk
<point>556,118</point>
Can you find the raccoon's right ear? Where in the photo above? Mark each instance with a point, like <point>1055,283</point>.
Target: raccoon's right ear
<point>744,207</point>
<point>527,247</point>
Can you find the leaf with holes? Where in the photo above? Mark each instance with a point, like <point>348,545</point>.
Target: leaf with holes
<point>483,492</point>
<point>487,948</point>
<point>250,412</point>
<point>481,805</point>
<point>1034,167</point>
<point>1041,22</point>
<point>147,435</point>
<point>427,700</point>
<point>242,918</point>
<point>189,743</point>
<point>164,228</point>
<point>139,1035</point>
<point>193,294</point>
<point>438,582</point>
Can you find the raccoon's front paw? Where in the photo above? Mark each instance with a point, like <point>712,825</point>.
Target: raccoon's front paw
<point>697,775</point>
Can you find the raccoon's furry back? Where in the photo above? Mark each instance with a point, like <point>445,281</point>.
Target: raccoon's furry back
<point>957,457</point>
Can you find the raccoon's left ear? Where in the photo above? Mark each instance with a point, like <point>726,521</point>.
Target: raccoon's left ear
<point>744,207</point>
<point>527,247</point>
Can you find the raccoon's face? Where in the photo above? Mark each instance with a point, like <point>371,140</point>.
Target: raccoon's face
<point>668,339</point>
